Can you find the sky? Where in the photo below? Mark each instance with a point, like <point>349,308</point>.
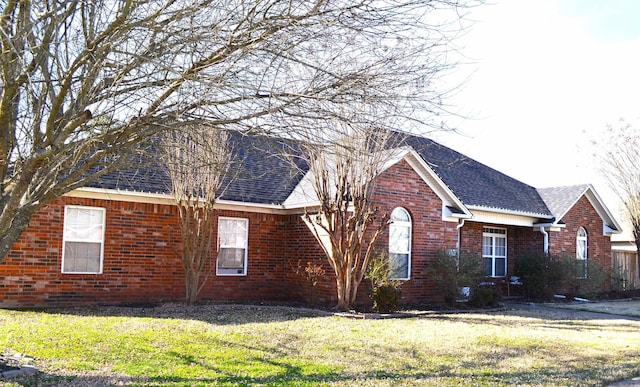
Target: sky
<point>545,79</point>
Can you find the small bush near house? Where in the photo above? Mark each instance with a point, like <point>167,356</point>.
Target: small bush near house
<point>588,287</point>
<point>453,272</point>
<point>385,292</point>
<point>543,275</point>
<point>311,273</point>
<point>485,297</point>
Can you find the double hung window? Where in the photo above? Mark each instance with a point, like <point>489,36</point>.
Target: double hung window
<point>83,240</point>
<point>494,251</point>
<point>232,246</point>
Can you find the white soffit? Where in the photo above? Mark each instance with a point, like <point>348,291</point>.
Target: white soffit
<point>503,218</point>
<point>165,199</point>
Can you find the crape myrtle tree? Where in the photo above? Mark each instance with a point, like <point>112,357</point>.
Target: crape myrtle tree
<point>347,221</point>
<point>350,144</point>
<point>197,159</point>
<point>84,83</point>
<point>619,163</point>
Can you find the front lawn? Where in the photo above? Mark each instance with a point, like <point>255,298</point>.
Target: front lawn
<point>235,345</point>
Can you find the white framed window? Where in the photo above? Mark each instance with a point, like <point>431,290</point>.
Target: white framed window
<point>400,244</point>
<point>494,251</point>
<point>581,253</point>
<point>83,240</point>
<point>233,236</point>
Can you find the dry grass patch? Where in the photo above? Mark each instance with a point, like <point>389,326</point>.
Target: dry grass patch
<point>185,346</point>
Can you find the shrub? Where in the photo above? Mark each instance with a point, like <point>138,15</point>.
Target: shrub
<point>485,297</point>
<point>452,272</point>
<point>311,273</point>
<point>542,275</point>
<point>594,284</point>
<point>385,292</point>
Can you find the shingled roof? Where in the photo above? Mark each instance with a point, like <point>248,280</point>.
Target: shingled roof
<point>265,176</point>
<point>561,199</point>
<point>476,184</point>
<point>267,171</point>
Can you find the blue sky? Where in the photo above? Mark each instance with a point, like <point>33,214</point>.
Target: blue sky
<point>546,77</point>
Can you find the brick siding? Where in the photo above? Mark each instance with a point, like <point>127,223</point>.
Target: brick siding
<point>141,265</point>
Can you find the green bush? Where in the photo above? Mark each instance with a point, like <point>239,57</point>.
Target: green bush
<point>385,292</point>
<point>542,275</point>
<point>452,272</point>
<point>485,297</point>
<point>594,284</point>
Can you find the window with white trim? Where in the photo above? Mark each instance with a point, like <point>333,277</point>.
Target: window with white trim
<point>83,240</point>
<point>494,251</point>
<point>233,235</point>
<point>581,253</point>
<point>400,244</point>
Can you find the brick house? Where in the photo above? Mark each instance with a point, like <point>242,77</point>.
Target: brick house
<point>114,242</point>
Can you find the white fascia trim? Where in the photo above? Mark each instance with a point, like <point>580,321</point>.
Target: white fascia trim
<point>165,199</point>
<point>610,224</point>
<point>121,196</point>
<point>503,218</point>
<point>549,226</point>
<point>438,186</point>
<point>532,215</point>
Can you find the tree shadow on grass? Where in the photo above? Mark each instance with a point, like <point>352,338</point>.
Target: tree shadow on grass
<point>217,314</point>
<point>566,374</point>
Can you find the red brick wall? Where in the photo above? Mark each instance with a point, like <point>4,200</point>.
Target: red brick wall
<point>302,248</point>
<point>140,264</point>
<point>400,186</point>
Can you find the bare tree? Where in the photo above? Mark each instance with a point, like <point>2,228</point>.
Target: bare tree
<point>84,82</point>
<point>198,161</point>
<point>347,222</point>
<point>619,163</point>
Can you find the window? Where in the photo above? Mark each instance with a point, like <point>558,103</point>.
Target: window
<point>83,240</point>
<point>494,251</point>
<point>232,246</point>
<point>581,253</point>
<point>400,244</point>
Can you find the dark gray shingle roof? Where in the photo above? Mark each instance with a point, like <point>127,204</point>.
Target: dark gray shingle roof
<point>262,172</point>
<point>264,176</point>
<point>476,184</point>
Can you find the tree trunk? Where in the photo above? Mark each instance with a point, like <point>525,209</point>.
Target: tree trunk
<point>192,285</point>
<point>10,236</point>
<point>343,290</point>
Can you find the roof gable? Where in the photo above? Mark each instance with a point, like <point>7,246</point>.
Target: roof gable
<point>560,200</point>
<point>476,184</point>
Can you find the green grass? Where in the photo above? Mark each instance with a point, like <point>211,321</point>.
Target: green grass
<point>181,346</point>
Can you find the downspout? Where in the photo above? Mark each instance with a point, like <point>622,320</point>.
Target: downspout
<point>546,240</point>
<point>458,227</point>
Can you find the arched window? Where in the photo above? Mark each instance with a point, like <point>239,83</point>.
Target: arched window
<point>581,253</point>
<point>400,244</point>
